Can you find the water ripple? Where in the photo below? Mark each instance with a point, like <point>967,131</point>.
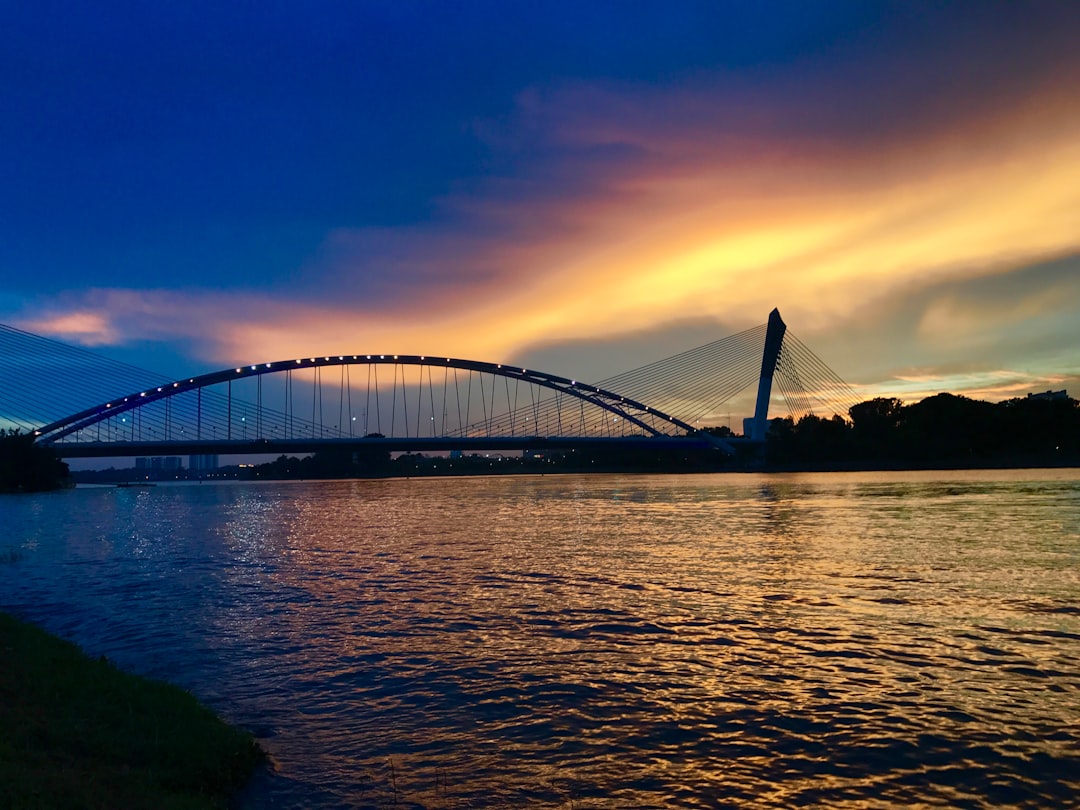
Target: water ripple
<point>596,642</point>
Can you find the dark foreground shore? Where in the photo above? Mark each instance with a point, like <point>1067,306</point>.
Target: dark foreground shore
<point>79,733</point>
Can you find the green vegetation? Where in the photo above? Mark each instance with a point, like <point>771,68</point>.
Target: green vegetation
<point>945,429</point>
<point>79,733</point>
<point>28,467</point>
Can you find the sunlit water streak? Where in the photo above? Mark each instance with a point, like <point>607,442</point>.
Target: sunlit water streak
<point>848,640</point>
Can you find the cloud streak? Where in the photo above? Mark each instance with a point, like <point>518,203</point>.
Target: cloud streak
<point>610,207</point>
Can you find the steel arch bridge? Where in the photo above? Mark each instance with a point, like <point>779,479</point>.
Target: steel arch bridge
<point>208,414</point>
<point>390,402</point>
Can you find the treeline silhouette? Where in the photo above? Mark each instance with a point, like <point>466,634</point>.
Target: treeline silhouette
<point>28,467</point>
<point>348,463</point>
<point>945,430</point>
<point>942,429</point>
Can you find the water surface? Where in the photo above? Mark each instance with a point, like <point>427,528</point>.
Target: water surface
<point>842,640</point>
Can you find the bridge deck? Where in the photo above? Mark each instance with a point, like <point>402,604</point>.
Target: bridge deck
<point>387,444</point>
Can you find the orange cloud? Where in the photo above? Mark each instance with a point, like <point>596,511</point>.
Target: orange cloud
<point>85,328</point>
<point>689,228</point>
<point>993,385</point>
<point>707,214</point>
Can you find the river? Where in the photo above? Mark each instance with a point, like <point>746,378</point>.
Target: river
<point>839,640</point>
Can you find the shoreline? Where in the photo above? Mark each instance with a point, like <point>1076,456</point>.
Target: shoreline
<point>500,470</point>
<point>78,732</point>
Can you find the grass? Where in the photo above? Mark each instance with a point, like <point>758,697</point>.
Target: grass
<point>79,733</point>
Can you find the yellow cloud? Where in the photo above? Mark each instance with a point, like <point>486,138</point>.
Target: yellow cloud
<point>822,257</point>
<point>818,252</point>
<point>699,226</point>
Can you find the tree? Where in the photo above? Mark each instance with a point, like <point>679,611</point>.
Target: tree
<point>947,427</point>
<point>874,426</point>
<point>944,428</point>
<point>722,432</point>
<point>28,467</point>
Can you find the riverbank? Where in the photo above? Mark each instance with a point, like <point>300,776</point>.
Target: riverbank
<point>79,733</point>
<point>428,467</point>
<point>1056,461</point>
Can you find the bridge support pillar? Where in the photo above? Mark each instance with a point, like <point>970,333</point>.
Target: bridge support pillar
<point>774,339</point>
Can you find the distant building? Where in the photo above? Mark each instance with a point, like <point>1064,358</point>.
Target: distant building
<point>159,463</point>
<point>1063,394</point>
<point>203,463</point>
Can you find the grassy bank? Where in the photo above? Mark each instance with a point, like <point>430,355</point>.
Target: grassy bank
<point>79,733</point>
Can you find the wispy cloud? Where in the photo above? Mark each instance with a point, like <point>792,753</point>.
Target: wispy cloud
<point>84,328</point>
<point>610,207</point>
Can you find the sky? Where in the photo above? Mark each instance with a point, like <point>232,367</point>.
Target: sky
<point>576,187</point>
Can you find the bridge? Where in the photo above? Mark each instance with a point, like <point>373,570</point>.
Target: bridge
<point>84,405</point>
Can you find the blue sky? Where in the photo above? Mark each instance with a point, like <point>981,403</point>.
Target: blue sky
<point>577,187</point>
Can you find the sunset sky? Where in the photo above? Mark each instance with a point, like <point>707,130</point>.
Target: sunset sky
<point>576,187</point>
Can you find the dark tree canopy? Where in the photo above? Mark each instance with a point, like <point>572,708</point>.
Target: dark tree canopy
<point>28,467</point>
<point>942,429</point>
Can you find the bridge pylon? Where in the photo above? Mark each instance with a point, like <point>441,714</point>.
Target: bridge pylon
<point>774,340</point>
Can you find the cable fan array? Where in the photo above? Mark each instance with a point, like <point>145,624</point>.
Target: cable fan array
<point>45,380</point>
<point>808,385</point>
<point>42,379</point>
<point>695,384</point>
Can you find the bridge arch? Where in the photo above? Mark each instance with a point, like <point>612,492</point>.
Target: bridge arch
<point>634,415</point>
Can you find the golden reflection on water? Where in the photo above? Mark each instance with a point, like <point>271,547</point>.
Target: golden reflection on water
<point>838,640</point>
<point>702,619</point>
